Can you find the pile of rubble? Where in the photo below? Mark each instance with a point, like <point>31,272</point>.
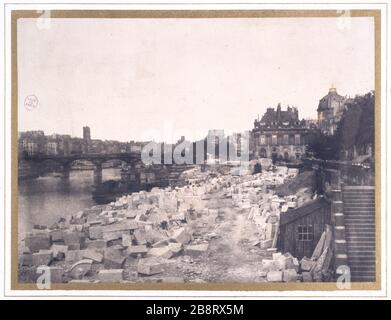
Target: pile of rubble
<point>263,205</point>
<point>147,227</point>
<point>257,197</point>
<point>286,268</point>
<point>149,233</point>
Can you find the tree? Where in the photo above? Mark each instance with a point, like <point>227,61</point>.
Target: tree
<point>323,147</point>
<point>355,131</point>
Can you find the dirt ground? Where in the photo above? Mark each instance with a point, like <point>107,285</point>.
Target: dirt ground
<point>232,254</point>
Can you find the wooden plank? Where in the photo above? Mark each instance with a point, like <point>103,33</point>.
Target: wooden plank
<point>319,247</point>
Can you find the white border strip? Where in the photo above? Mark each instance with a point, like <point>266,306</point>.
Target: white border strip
<point>195,295</point>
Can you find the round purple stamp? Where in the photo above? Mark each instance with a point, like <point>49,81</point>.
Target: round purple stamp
<point>31,102</point>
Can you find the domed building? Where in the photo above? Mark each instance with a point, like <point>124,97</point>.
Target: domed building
<point>330,110</point>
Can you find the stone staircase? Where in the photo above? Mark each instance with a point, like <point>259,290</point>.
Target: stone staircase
<point>359,219</point>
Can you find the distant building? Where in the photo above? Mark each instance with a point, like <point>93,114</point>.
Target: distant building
<point>31,143</point>
<point>330,110</point>
<point>87,144</point>
<point>76,146</point>
<point>52,148</point>
<point>86,133</point>
<point>280,135</point>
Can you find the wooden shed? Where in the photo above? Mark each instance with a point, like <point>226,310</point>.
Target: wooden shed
<point>301,228</point>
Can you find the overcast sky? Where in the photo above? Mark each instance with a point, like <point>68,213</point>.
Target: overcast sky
<point>138,79</point>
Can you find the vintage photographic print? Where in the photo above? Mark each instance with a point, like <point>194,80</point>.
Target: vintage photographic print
<point>196,150</point>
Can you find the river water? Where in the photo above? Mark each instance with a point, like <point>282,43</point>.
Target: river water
<point>46,199</point>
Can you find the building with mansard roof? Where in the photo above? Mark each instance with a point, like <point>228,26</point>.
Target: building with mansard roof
<point>280,134</point>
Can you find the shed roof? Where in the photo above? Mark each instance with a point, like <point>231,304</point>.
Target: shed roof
<point>308,208</point>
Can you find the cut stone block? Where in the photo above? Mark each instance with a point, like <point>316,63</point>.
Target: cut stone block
<point>74,246</point>
<point>164,252</point>
<point>293,263</point>
<point>274,276</point>
<point>74,238</point>
<point>92,211</point>
<point>127,239</point>
<point>113,259</point>
<point>175,248</point>
<point>197,250</point>
<point>42,258</point>
<point>136,250</point>
<point>38,242</point>
<point>158,218</point>
<point>26,259</point>
<point>270,265</point>
<point>93,255</point>
<point>112,235</point>
<point>111,275</point>
<point>74,255</point>
<point>57,235</point>
<point>124,225</point>
<point>95,232</point>
<point>284,261</point>
<point>150,266</point>
<point>289,275</point>
<point>140,236</point>
<point>152,236</point>
<point>97,244</point>
<point>276,255</point>
<point>181,235</point>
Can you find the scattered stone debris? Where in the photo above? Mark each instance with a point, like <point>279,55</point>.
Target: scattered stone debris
<point>311,269</point>
<point>152,236</point>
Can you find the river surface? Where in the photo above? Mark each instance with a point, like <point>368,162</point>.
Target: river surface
<point>46,199</point>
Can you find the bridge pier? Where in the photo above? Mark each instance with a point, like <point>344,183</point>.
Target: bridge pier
<point>66,169</point>
<point>98,174</point>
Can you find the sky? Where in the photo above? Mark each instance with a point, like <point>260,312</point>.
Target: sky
<point>159,79</point>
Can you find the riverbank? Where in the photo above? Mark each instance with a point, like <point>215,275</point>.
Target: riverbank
<point>217,228</point>
<point>46,199</point>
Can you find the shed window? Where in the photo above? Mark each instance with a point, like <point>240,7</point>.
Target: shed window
<point>305,233</point>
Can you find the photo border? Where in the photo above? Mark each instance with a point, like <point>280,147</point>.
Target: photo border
<point>157,14</point>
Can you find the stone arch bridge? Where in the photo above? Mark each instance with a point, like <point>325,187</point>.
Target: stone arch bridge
<point>97,159</point>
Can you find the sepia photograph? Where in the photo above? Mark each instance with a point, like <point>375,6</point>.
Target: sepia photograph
<point>196,149</point>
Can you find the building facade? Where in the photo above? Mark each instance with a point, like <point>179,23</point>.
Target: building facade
<point>31,143</point>
<point>280,135</point>
<point>330,110</point>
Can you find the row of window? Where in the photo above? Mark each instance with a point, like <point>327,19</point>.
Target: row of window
<point>277,140</point>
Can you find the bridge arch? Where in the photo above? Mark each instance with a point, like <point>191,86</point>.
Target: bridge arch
<point>47,166</point>
<point>75,162</point>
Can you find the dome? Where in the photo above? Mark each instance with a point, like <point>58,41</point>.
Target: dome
<point>324,103</point>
